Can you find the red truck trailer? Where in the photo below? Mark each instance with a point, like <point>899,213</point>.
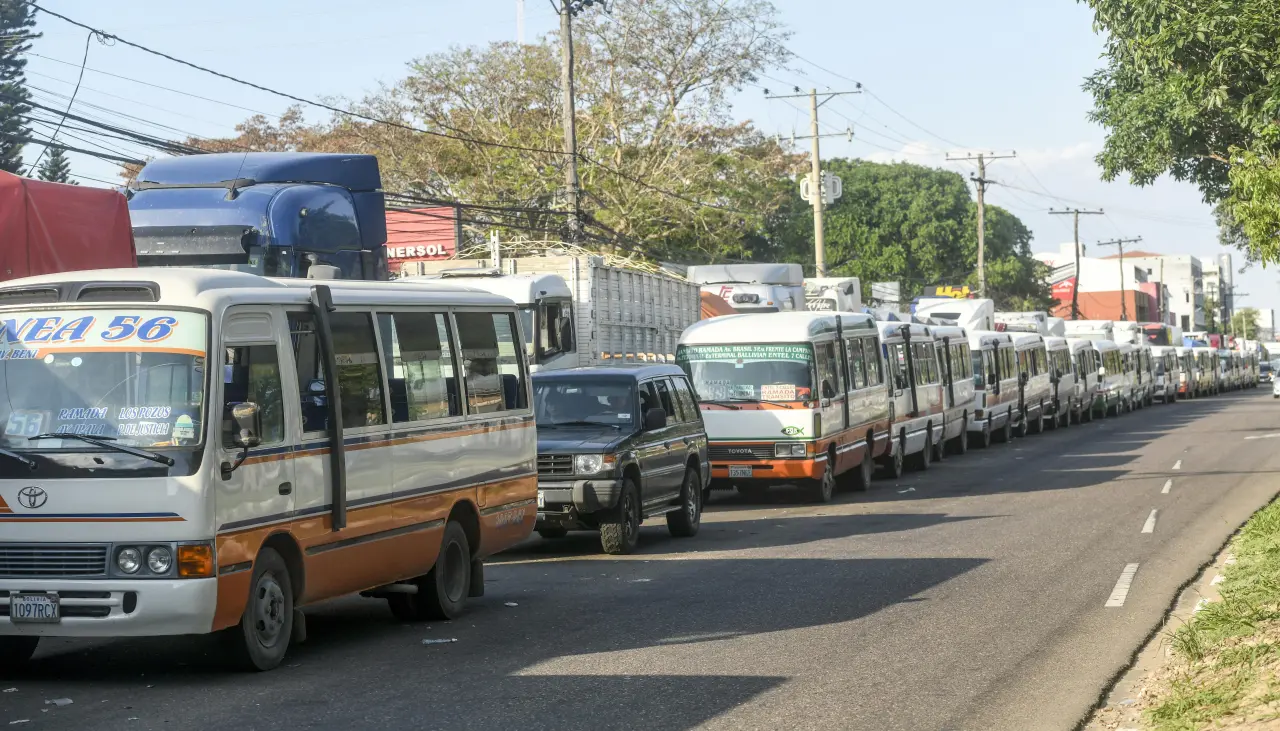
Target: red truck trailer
<point>52,227</point>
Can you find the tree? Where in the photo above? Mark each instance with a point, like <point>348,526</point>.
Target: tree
<point>16,20</point>
<point>1189,89</point>
<point>56,168</point>
<point>1244,323</point>
<point>916,226</point>
<point>664,170</point>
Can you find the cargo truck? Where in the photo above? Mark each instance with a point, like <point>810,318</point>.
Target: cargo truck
<point>579,310</point>
<point>751,288</point>
<point>48,228</point>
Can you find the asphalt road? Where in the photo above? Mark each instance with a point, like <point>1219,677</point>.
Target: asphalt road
<point>972,596</point>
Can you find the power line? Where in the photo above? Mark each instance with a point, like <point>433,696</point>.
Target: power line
<point>84,61</point>
<point>66,148</point>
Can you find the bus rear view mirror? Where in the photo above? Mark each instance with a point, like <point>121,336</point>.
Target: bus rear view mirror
<point>247,420</point>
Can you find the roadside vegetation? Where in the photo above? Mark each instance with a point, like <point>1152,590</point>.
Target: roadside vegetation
<point>1226,667</point>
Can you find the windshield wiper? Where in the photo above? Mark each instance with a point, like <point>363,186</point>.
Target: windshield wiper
<point>763,401</point>
<point>721,402</point>
<point>581,423</point>
<point>24,459</point>
<point>104,441</point>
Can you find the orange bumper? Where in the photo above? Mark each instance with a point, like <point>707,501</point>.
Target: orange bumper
<point>772,469</point>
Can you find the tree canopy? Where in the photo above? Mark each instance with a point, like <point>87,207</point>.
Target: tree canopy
<point>16,21</point>
<point>56,168</point>
<point>1192,89</point>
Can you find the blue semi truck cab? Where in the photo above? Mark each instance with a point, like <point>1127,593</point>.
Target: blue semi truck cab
<point>269,213</point>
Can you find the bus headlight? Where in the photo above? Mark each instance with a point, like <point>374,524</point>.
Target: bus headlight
<point>129,560</point>
<point>790,449</point>
<point>160,560</point>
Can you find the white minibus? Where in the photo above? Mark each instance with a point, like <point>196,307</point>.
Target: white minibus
<point>1168,373</point>
<point>187,451</point>
<point>1188,373</point>
<point>1033,382</point>
<point>1111,396</point>
<point>1067,395</point>
<point>957,389</point>
<point>1086,361</point>
<point>1131,388</point>
<point>995,380</point>
<point>915,405</point>
<point>789,398</point>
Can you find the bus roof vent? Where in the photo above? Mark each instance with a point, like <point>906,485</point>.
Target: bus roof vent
<point>28,295</point>
<point>117,292</point>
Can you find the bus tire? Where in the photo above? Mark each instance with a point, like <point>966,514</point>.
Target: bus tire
<point>922,459</point>
<point>895,462</point>
<point>15,651</point>
<point>262,637</point>
<point>940,448</point>
<point>984,437</point>
<point>684,523</point>
<point>620,533</point>
<point>960,445</point>
<point>1006,432</point>
<point>863,474</point>
<point>444,590</point>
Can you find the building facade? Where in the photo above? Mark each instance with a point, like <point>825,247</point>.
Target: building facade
<point>1183,277</point>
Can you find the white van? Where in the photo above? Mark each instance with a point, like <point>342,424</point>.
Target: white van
<point>1112,392</point>
<point>787,398</point>
<point>915,405</point>
<point>1034,393</point>
<point>170,464</point>
<point>1086,361</point>
<point>1168,373</point>
<point>1130,389</point>
<point>995,381</point>
<point>1188,373</point>
<point>957,388</point>
<point>1207,370</point>
<point>1067,396</point>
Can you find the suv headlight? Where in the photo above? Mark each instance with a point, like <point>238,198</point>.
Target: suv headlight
<point>593,464</point>
<point>790,449</point>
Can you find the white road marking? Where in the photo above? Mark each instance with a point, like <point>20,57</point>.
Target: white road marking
<point>1263,436</point>
<point>1177,465</point>
<point>1121,591</point>
<point>1150,525</point>
<point>1168,484</point>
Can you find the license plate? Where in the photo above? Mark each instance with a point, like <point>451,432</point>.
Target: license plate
<point>739,470</point>
<point>542,500</point>
<point>34,609</point>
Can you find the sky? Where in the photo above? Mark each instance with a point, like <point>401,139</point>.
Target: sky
<point>938,76</point>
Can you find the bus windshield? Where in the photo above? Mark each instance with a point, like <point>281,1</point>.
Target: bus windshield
<point>749,372</point>
<point>136,377</point>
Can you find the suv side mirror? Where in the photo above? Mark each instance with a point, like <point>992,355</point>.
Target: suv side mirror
<point>655,419</point>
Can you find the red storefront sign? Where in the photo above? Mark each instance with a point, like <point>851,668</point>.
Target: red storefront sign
<point>423,234</point>
<point>1064,289</point>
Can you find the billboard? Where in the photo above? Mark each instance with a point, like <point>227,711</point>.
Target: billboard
<point>422,234</point>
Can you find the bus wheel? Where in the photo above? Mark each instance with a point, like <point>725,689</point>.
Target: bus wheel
<point>1037,426</point>
<point>862,476</point>
<point>621,533</point>
<point>922,459</point>
<point>895,463</point>
<point>14,651</point>
<point>960,445</point>
<point>940,449</point>
<point>443,592</point>
<point>984,438</point>
<point>1006,432</point>
<point>267,623</point>
<point>823,489</point>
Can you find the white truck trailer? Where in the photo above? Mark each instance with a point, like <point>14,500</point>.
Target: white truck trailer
<point>579,310</point>
<point>833,294</point>
<point>752,288</point>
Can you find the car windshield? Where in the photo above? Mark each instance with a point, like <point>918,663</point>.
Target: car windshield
<point>136,376</point>
<point>749,372</point>
<point>609,402</point>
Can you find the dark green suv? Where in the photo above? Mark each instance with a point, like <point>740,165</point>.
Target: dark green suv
<point>615,446</point>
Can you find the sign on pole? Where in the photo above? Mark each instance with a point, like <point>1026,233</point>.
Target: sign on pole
<point>832,188</point>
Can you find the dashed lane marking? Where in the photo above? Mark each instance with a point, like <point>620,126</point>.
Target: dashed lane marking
<point>1177,465</point>
<point>1121,590</point>
<point>1168,485</point>
<point>1150,525</point>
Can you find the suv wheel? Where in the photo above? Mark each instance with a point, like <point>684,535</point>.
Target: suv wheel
<point>620,532</point>
<point>684,523</point>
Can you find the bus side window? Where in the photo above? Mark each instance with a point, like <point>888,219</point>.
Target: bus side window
<point>491,362</point>
<point>416,347</point>
<point>252,373</point>
<point>857,367</point>
<point>311,385</point>
<point>359,376</point>
<point>873,361</point>
<point>829,377</point>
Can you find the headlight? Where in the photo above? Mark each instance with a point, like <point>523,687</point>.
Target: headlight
<point>160,560</point>
<point>788,449</point>
<point>129,560</point>
<point>593,464</point>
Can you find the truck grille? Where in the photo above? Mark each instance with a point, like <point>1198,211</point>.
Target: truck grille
<point>41,560</point>
<point>551,465</point>
<point>729,453</point>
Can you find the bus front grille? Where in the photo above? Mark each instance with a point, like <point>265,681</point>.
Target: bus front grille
<point>52,560</point>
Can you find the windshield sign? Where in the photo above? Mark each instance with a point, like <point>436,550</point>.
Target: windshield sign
<point>749,372</point>
<point>135,376</point>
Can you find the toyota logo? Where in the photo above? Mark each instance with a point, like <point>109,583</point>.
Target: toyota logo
<point>32,497</point>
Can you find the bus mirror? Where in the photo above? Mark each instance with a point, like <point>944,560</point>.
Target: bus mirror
<point>993,379</point>
<point>828,391</point>
<point>1102,372</point>
<point>1024,378</point>
<point>247,419</point>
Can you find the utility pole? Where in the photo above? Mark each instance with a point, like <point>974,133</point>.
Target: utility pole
<point>1075,291</point>
<point>1119,243</point>
<point>1160,303</point>
<point>568,9</point>
<point>520,22</point>
<point>981,183</point>
<point>817,189</point>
